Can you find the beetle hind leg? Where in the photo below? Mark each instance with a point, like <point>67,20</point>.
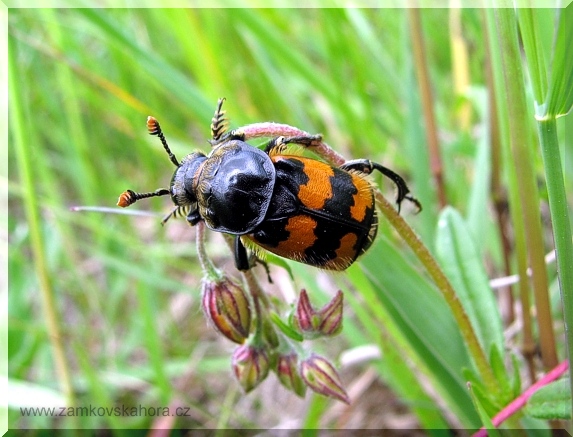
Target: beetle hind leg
<point>367,167</point>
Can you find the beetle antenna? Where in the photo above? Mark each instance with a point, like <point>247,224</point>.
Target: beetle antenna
<point>129,197</point>
<point>219,123</point>
<point>154,129</point>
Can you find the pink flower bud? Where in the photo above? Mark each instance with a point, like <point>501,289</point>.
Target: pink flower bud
<point>305,314</point>
<point>250,366</point>
<point>325,322</point>
<point>330,316</point>
<point>287,372</point>
<point>321,377</point>
<point>227,307</point>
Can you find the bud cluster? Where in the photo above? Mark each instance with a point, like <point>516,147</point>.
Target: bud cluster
<point>236,314</point>
<point>325,322</point>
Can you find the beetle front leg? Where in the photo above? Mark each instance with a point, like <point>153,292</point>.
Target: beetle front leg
<point>219,123</point>
<point>235,134</point>
<point>241,258</point>
<point>219,126</point>
<point>193,217</point>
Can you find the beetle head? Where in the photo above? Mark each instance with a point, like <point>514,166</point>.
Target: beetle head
<point>183,186</point>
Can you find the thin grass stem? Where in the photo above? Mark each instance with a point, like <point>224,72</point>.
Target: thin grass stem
<point>521,151</point>
<point>32,208</point>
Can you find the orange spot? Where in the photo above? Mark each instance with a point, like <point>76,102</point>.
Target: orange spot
<point>318,189</point>
<point>363,199</point>
<point>301,228</point>
<point>345,254</point>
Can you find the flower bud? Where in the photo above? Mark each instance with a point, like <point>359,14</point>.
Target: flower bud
<point>287,372</point>
<point>250,366</point>
<point>227,307</point>
<point>321,377</point>
<point>325,322</point>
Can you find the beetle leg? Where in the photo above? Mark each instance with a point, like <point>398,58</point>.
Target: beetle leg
<point>193,217</point>
<point>219,126</point>
<point>219,123</point>
<point>235,134</point>
<point>302,140</point>
<point>366,166</point>
<point>241,258</point>
<point>177,211</point>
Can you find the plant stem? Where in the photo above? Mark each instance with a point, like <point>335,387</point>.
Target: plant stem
<point>407,233</point>
<point>560,221</point>
<point>498,195</point>
<point>443,284</point>
<point>521,148</point>
<point>427,102</point>
<point>515,219</point>
<point>206,265</point>
<point>257,294</point>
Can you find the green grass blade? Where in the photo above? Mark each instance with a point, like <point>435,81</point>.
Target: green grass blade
<point>529,31</point>
<point>561,225</point>
<point>522,153</point>
<point>24,154</point>
<point>557,102</point>
<point>560,96</point>
<point>480,189</point>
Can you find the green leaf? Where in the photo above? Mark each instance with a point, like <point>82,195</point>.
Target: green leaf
<point>479,392</point>
<point>491,429</point>
<point>456,251</point>
<point>516,382</point>
<point>498,367</point>
<point>285,329</point>
<point>551,402</point>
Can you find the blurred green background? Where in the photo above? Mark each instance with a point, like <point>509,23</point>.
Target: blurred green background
<point>124,291</point>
